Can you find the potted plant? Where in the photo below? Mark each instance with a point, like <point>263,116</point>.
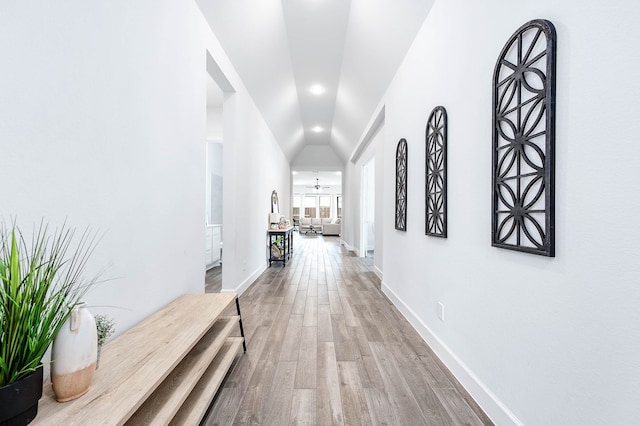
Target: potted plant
<point>40,283</point>
<point>105,326</point>
<point>277,248</point>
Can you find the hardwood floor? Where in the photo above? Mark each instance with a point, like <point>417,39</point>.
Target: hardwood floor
<point>213,280</point>
<point>326,347</point>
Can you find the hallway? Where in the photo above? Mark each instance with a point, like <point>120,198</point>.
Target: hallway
<point>326,347</point>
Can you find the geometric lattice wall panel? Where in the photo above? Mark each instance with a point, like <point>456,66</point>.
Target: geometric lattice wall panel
<point>436,173</point>
<point>524,141</point>
<point>401,185</point>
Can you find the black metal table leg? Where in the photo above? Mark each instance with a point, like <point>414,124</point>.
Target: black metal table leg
<point>244,340</point>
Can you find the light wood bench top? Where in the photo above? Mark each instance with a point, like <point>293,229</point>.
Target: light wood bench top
<point>134,364</point>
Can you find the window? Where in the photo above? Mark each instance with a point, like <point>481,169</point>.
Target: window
<point>310,206</point>
<point>296,206</point>
<point>325,206</point>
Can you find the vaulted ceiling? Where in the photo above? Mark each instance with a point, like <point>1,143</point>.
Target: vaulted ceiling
<point>283,48</point>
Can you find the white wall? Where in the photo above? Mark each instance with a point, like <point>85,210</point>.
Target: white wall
<point>254,166</point>
<point>103,122</point>
<point>536,340</point>
<point>214,123</point>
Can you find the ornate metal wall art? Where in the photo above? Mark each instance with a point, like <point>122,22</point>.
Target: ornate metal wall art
<point>436,173</point>
<point>401,185</point>
<point>524,141</point>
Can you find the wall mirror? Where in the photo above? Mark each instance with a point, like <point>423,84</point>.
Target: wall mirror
<point>275,206</point>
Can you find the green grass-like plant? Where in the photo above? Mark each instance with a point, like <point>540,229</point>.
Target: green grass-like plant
<point>279,242</point>
<point>40,283</point>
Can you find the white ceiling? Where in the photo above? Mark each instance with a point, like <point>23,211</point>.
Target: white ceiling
<point>282,47</point>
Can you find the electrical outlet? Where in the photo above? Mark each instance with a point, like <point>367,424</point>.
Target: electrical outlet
<point>441,311</point>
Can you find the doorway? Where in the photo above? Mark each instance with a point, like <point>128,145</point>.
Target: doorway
<point>213,186</point>
<point>368,215</point>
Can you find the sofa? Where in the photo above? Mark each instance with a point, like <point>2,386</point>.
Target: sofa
<point>324,226</point>
<point>331,226</point>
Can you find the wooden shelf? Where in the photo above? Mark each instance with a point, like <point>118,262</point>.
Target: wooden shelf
<point>148,373</point>
<point>166,400</point>
<point>195,407</point>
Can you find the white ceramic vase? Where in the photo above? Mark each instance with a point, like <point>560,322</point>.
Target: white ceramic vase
<point>74,354</point>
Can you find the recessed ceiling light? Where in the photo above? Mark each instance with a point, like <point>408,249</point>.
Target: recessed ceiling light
<point>317,89</point>
<point>316,129</point>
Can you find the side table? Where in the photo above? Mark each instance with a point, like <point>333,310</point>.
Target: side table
<point>287,244</point>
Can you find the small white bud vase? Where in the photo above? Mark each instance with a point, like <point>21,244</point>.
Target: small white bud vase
<point>74,354</point>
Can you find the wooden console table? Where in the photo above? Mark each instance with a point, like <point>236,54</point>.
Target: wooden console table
<point>165,370</point>
<point>287,241</point>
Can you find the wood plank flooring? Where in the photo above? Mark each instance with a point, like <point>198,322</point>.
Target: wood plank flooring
<point>326,347</point>
<point>213,280</point>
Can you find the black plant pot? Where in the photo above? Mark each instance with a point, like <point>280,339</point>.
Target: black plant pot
<point>19,400</point>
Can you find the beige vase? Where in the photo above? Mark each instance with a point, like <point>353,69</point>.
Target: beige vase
<point>74,354</point>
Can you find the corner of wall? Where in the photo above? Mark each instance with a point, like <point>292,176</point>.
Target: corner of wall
<point>378,272</point>
<point>244,285</point>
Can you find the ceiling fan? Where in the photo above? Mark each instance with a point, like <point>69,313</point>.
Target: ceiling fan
<point>317,185</point>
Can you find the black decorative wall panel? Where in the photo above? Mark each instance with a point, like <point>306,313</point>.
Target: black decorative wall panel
<point>401,185</point>
<point>436,173</point>
<point>524,141</point>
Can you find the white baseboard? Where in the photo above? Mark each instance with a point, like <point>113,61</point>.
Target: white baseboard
<point>244,285</point>
<point>378,272</point>
<point>490,404</point>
